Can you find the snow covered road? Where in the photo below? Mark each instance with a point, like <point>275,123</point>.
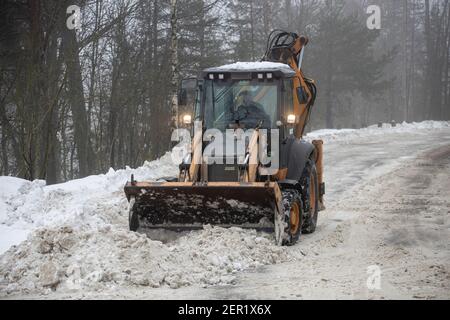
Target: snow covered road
<point>388,205</point>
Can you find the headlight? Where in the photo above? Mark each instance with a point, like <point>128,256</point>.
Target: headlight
<point>187,119</point>
<point>291,119</point>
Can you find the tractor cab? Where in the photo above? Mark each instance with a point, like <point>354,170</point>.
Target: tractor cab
<point>241,95</point>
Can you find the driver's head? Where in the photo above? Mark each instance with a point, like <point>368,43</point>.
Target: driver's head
<point>245,97</point>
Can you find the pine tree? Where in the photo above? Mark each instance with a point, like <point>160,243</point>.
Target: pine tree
<point>342,55</point>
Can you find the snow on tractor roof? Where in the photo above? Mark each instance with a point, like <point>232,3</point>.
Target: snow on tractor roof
<point>252,66</point>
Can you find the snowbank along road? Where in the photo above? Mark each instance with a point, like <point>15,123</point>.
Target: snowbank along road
<point>385,233</point>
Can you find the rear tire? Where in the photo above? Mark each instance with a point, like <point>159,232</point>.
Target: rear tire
<point>293,216</point>
<point>310,196</point>
<point>133,221</point>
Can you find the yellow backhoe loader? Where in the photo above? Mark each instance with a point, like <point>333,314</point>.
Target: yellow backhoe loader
<point>261,105</point>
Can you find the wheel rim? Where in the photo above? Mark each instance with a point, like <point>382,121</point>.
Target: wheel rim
<point>294,218</point>
<point>312,196</point>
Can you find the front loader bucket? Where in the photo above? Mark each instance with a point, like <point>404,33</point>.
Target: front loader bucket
<point>185,206</point>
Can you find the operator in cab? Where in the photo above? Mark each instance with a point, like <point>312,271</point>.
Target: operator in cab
<point>250,113</point>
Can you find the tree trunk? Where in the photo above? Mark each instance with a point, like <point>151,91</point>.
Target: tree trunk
<point>330,104</point>
<point>77,103</point>
<point>428,68</point>
<point>267,14</point>
<point>174,63</point>
<point>53,158</point>
<point>5,167</point>
<point>252,30</point>
<point>288,8</point>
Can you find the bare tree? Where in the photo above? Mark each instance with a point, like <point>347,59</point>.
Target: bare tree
<point>174,62</point>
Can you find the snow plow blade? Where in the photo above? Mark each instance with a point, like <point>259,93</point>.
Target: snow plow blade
<point>186,206</point>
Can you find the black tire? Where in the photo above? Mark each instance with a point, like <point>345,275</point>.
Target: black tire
<point>310,197</point>
<point>293,216</point>
<point>133,221</point>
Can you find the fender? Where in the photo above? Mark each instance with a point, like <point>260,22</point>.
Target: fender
<point>294,155</point>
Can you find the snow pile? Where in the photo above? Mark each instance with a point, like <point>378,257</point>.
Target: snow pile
<point>78,238</point>
<point>9,188</point>
<point>10,185</point>
<point>85,203</point>
<point>66,260</point>
<point>348,135</point>
<point>251,66</point>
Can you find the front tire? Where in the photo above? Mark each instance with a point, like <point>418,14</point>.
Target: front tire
<point>310,185</point>
<point>293,216</point>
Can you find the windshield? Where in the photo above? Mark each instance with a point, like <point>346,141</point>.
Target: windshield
<point>240,104</point>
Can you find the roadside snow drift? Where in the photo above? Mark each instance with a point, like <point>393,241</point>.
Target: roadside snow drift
<point>348,135</point>
<point>90,202</point>
<point>78,238</point>
<point>62,258</point>
<point>74,235</point>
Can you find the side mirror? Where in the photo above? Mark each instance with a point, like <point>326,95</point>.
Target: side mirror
<point>186,101</point>
<point>182,97</point>
<point>186,93</point>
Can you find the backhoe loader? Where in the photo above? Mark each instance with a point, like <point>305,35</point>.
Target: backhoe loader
<point>235,188</point>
